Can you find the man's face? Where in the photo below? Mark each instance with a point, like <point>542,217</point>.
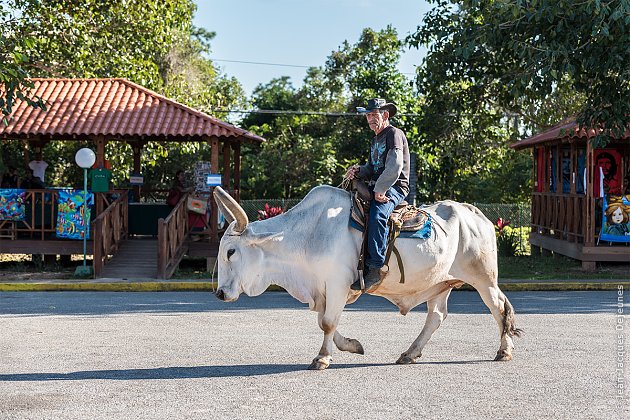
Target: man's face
<point>605,164</point>
<point>376,120</point>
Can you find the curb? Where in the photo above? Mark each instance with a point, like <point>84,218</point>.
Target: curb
<point>206,286</point>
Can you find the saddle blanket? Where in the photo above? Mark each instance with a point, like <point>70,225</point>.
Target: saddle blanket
<point>416,223</point>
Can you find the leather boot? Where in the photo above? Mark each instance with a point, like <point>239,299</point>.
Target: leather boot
<point>371,280</point>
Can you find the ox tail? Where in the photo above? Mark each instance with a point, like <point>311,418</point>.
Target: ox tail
<point>509,326</point>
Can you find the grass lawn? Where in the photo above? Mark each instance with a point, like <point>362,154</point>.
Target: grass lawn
<point>557,267</point>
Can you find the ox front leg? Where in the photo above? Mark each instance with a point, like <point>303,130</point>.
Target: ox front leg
<point>328,319</point>
<point>437,311</point>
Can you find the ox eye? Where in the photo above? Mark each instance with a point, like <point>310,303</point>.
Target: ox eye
<point>230,253</point>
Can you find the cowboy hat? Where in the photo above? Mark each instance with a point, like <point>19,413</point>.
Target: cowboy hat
<point>378,104</point>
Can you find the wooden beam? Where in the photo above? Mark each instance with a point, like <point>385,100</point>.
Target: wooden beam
<point>573,171</point>
<point>34,246</point>
<point>225,181</point>
<point>237,170</point>
<point>137,147</point>
<point>100,143</point>
<point>589,208</point>
<point>214,162</point>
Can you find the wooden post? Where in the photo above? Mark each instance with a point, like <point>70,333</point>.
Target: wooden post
<point>573,168</point>
<point>100,151</point>
<point>226,165</point>
<point>558,203</point>
<point>137,167</point>
<point>214,161</point>
<point>100,163</point>
<point>237,170</point>
<point>97,247</point>
<point>589,213</point>
<point>162,259</point>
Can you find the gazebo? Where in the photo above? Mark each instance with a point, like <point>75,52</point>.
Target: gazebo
<point>117,110</point>
<point>567,197</point>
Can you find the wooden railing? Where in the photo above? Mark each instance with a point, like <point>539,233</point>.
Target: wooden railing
<point>172,233</point>
<point>110,228</point>
<point>561,216</point>
<point>41,213</point>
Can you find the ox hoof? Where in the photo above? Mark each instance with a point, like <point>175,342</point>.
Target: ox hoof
<point>357,348</point>
<point>318,364</point>
<point>503,356</point>
<point>405,360</point>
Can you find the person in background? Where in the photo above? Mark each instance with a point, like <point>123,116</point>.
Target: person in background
<point>38,165</point>
<point>178,189</point>
<point>387,175</point>
<point>31,181</point>
<point>612,185</point>
<point>10,179</point>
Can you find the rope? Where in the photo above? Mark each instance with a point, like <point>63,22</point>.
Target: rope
<point>213,271</point>
<point>345,184</point>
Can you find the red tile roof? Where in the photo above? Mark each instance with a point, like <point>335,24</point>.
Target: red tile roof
<point>565,130</point>
<point>118,108</point>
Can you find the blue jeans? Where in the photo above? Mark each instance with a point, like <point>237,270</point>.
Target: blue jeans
<point>377,227</point>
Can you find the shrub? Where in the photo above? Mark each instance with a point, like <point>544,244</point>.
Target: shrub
<point>508,239</point>
<point>269,212</point>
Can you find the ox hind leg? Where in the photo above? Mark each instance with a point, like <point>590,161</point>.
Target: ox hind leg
<point>347,344</point>
<point>503,313</point>
<point>437,310</point>
<point>328,319</point>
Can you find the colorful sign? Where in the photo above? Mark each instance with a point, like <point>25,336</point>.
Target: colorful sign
<point>608,178</point>
<point>72,223</point>
<point>213,180</point>
<point>136,179</point>
<point>12,204</point>
<point>616,219</point>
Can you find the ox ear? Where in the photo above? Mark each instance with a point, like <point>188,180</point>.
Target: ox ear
<point>230,208</point>
<point>261,238</point>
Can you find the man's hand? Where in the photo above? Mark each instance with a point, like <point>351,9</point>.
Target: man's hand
<point>381,198</point>
<point>352,172</point>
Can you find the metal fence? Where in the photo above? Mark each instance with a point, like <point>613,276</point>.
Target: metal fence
<point>519,215</point>
<point>252,207</point>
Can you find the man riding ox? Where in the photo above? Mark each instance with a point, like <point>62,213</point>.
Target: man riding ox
<point>313,254</point>
<point>387,173</point>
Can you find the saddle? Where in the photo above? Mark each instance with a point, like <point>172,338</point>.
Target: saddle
<point>404,218</point>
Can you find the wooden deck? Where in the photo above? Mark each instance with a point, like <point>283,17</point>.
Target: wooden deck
<point>135,259</point>
<point>603,252</point>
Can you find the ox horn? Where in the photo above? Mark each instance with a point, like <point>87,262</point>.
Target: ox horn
<point>231,209</point>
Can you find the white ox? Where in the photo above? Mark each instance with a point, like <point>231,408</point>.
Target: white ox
<point>312,253</point>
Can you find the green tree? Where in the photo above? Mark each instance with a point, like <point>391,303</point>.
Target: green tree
<point>514,55</point>
<point>298,154</point>
<point>15,41</point>
<point>305,150</point>
<point>152,43</point>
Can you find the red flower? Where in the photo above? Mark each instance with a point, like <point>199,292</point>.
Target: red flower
<point>502,223</point>
<point>269,212</point>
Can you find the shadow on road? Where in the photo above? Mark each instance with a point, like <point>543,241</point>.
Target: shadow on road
<point>191,372</point>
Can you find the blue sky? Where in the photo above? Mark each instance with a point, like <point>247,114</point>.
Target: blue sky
<point>298,33</point>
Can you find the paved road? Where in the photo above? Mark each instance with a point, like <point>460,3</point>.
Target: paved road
<point>186,355</point>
